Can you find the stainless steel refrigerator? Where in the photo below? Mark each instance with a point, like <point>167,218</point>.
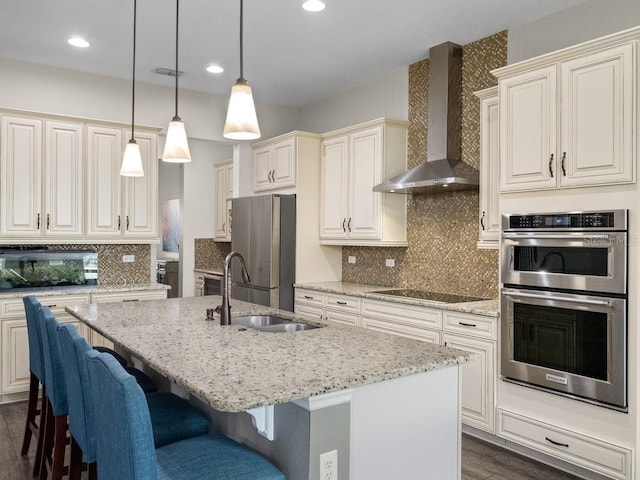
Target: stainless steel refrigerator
<point>264,233</point>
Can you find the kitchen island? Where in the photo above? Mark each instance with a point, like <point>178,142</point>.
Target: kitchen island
<point>388,405</point>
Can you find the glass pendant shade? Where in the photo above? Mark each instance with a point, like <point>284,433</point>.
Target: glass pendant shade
<point>132,161</point>
<point>176,148</point>
<point>242,122</point>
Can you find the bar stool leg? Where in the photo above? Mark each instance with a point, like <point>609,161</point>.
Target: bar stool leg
<point>75,464</point>
<point>31,426</point>
<point>58,468</point>
<point>47,443</point>
<point>37,463</point>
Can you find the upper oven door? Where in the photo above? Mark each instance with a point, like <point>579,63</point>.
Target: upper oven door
<point>594,261</point>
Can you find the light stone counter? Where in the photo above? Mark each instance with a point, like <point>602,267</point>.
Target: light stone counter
<point>47,292</point>
<point>483,307</point>
<point>234,369</point>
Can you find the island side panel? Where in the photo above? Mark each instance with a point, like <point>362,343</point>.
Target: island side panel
<point>407,428</point>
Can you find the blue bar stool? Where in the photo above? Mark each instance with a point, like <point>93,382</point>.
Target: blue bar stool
<point>125,448</point>
<point>172,417</point>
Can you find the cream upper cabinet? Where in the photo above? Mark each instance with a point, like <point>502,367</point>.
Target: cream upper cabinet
<point>489,214</point>
<point>354,160</point>
<point>567,119</point>
<point>120,207</point>
<point>224,194</point>
<point>42,178</point>
<point>274,164</point>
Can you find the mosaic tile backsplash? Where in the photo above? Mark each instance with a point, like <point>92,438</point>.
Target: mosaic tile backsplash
<point>209,254</point>
<point>442,229</point>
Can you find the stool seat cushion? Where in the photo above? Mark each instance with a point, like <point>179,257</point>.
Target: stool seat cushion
<point>212,457</point>
<point>174,419</point>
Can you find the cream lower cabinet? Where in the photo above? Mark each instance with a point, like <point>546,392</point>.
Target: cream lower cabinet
<point>353,161</point>
<point>477,334</point>
<point>568,118</point>
<point>114,297</point>
<point>14,340</point>
<point>120,208</point>
<point>411,321</point>
<point>315,305</point>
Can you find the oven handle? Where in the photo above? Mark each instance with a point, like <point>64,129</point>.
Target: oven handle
<point>606,303</point>
<point>539,236</point>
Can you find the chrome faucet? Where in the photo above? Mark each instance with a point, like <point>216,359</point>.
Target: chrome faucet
<point>225,309</point>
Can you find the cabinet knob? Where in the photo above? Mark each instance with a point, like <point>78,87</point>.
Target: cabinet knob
<point>550,165</point>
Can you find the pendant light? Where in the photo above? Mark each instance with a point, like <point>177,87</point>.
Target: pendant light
<point>176,148</point>
<point>242,122</point>
<point>132,161</point>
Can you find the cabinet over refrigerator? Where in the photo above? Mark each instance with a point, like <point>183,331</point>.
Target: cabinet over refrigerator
<point>264,233</point>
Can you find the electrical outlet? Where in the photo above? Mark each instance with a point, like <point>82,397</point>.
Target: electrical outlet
<point>128,258</point>
<point>329,465</point>
<point>390,262</point>
<point>352,259</point>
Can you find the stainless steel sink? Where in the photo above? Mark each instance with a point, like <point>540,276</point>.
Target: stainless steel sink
<point>271,323</point>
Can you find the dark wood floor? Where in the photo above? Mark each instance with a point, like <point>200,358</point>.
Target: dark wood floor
<point>480,460</point>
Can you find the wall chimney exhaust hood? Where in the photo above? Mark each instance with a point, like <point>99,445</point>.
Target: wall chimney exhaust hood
<point>443,171</point>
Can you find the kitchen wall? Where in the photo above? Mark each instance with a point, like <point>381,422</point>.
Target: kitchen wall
<point>442,229</point>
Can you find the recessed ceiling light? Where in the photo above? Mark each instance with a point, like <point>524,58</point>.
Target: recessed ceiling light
<point>313,5</point>
<point>215,69</point>
<point>78,42</point>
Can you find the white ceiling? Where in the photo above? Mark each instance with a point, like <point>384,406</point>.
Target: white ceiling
<point>291,57</point>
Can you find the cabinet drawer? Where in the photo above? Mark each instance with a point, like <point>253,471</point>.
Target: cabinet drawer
<point>399,328</point>
<point>14,308</point>
<point>309,297</point>
<point>309,312</point>
<point>410,315</point>
<point>605,458</point>
<point>128,296</point>
<point>470,324</point>
<point>343,303</point>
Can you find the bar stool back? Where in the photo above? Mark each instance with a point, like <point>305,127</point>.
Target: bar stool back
<point>125,446</point>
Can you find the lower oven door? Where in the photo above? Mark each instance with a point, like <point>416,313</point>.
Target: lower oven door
<point>568,343</point>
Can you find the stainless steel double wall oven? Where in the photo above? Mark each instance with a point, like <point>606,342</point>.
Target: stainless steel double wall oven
<point>564,304</point>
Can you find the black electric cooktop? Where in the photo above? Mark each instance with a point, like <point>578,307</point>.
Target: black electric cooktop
<point>432,296</point>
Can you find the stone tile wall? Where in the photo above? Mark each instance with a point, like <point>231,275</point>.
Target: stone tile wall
<point>209,254</point>
<point>442,229</point>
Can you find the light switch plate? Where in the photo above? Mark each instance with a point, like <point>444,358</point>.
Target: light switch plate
<point>352,259</point>
<point>128,258</point>
<point>390,262</point>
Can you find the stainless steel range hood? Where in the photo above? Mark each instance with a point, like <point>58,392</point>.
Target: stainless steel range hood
<point>443,171</point>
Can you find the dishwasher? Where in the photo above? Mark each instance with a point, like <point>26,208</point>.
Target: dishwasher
<point>207,283</point>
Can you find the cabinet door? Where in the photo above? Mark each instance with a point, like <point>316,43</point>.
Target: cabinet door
<point>365,171</point>
<point>489,224</point>
<point>229,212</point>
<point>597,118</point>
<point>21,179</point>
<point>528,122</point>
<point>221,203</point>
<point>15,356</point>
<point>284,164</point>
<point>478,384</point>
<point>229,171</point>
<point>104,156</point>
<point>64,182</point>
<point>262,169</point>
<point>141,193</point>
<point>333,201</point>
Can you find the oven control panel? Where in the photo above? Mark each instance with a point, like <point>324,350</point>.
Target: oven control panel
<point>606,220</point>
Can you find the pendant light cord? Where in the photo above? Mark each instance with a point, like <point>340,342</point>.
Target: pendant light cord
<point>241,49</point>
<point>133,83</point>
<point>177,70</point>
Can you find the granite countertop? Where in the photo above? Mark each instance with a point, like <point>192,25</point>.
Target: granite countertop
<point>234,369</point>
<point>482,307</point>
<point>47,292</point>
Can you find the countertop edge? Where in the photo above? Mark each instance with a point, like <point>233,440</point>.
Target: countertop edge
<point>134,287</point>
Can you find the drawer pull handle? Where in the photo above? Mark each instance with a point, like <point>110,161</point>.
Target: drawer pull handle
<point>467,324</point>
<point>341,303</point>
<point>556,443</point>
<point>308,297</point>
<point>52,306</point>
<point>130,300</point>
